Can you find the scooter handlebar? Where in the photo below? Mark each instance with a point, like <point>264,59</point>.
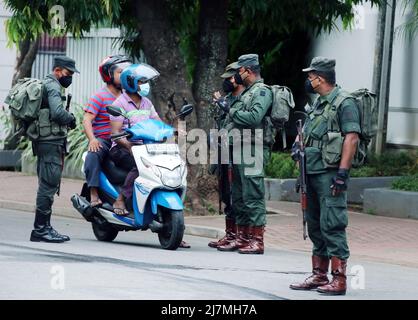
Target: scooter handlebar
<point>121,135</point>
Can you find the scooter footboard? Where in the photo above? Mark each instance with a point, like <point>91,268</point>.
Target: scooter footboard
<point>166,199</point>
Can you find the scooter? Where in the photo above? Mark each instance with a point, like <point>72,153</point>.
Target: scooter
<point>158,193</point>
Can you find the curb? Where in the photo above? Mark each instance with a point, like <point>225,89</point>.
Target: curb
<point>192,230</point>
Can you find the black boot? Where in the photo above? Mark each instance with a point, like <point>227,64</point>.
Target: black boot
<point>55,232</point>
<point>42,231</point>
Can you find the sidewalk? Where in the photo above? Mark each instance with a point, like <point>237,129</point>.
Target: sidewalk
<point>375,238</point>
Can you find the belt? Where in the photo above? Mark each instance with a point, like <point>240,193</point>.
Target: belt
<point>314,143</point>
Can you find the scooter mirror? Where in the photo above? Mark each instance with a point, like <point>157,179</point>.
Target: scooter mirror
<point>185,111</point>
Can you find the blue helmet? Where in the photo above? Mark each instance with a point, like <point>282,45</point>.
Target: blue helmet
<point>137,72</point>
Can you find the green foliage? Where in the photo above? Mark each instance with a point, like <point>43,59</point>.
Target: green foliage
<point>408,183</point>
<point>77,140</point>
<point>409,29</point>
<point>31,19</point>
<point>389,164</point>
<point>281,166</point>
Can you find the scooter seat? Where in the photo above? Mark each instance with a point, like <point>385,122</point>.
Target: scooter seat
<point>116,175</point>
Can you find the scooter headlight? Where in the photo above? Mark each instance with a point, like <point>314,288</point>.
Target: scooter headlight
<point>171,178</point>
<point>153,167</point>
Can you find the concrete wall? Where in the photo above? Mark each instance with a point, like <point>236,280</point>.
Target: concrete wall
<point>354,51</point>
<point>391,203</point>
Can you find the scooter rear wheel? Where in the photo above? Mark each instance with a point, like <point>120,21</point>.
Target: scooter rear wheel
<point>104,232</point>
<point>173,228</point>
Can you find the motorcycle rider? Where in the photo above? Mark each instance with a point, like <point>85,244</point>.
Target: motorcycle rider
<point>96,121</point>
<point>137,107</point>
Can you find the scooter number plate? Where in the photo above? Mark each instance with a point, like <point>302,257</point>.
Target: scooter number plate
<point>163,148</point>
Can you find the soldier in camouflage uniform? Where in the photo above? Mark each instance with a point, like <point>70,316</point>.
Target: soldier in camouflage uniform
<point>331,134</point>
<point>232,90</point>
<point>250,112</point>
<point>49,148</point>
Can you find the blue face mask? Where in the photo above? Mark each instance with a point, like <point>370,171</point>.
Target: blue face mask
<point>144,89</point>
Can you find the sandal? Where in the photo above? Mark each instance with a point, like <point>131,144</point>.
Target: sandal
<point>121,212</point>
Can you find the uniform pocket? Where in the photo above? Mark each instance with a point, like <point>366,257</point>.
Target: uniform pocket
<point>44,123</point>
<point>320,128</point>
<point>331,151</point>
<point>336,212</point>
<point>51,173</point>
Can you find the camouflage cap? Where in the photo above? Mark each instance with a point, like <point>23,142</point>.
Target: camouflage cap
<point>65,62</point>
<point>321,64</point>
<point>229,71</point>
<point>246,60</point>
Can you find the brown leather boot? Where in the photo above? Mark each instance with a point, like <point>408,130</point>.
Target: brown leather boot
<point>256,243</point>
<point>230,234</point>
<point>241,240</point>
<point>338,285</point>
<point>318,277</point>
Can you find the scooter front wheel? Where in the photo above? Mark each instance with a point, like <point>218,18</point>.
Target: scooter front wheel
<point>172,232</point>
<point>104,232</point>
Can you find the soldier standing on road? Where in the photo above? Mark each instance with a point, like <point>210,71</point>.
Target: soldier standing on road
<point>331,134</point>
<point>54,122</point>
<point>232,90</point>
<point>250,112</point>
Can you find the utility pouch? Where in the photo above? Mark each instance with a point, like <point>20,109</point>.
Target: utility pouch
<point>332,148</point>
<point>44,123</point>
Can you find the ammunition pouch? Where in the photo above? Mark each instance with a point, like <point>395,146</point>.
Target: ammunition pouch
<point>47,128</point>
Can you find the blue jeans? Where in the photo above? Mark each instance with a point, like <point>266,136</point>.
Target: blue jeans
<point>93,163</point>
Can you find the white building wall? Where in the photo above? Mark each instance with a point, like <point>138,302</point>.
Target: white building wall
<point>7,56</point>
<point>354,52</point>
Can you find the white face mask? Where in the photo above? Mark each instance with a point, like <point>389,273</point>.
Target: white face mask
<point>144,89</point>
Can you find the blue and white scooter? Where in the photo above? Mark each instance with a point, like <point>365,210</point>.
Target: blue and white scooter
<point>159,191</point>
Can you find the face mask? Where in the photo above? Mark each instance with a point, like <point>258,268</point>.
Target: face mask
<point>65,81</point>
<point>144,89</point>
<point>238,78</point>
<point>308,86</point>
<point>227,86</point>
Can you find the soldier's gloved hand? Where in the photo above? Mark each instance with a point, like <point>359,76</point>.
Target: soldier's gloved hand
<point>295,154</point>
<point>223,104</point>
<point>339,182</point>
<point>73,123</point>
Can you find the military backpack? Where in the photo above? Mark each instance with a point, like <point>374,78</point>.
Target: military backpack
<point>283,102</point>
<point>367,106</point>
<point>24,100</point>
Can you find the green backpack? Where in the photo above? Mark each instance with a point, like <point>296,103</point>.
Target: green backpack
<point>368,108</point>
<point>24,101</point>
<point>283,102</point>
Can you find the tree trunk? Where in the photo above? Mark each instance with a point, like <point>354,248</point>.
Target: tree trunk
<point>161,48</point>
<point>27,54</point>
<point>384,92</point>
<point>212,55</point>
<point>160,44</point>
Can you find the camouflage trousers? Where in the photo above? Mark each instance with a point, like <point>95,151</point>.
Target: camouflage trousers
<point>327,217</point>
